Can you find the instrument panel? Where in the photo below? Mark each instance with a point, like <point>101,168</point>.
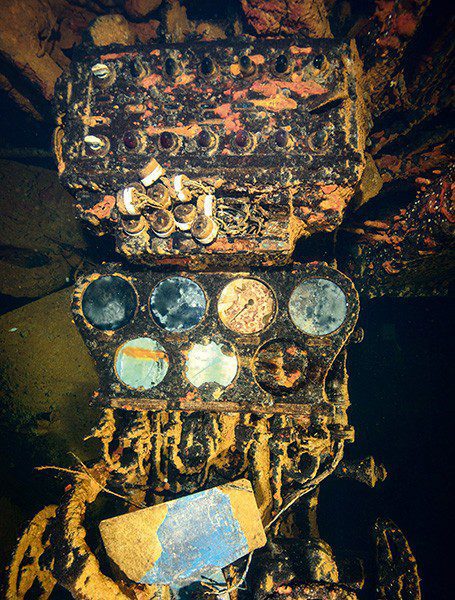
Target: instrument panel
<point>257,341</point>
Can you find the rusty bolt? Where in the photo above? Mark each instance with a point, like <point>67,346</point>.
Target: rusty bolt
<point>151,172</point>
<point>134,226</point>
<point>160,195</point>
<point>126,202</point>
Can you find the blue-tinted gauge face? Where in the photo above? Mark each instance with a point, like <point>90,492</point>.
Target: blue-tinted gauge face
<point>177,304</point>
<point>141,363</point>
<point>109,302</point>
<point>317,306</point>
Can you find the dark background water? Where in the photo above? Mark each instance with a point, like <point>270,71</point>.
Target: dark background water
<point>401,389</point>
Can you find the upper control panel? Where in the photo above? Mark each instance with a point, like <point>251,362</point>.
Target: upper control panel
<point>212,152</point>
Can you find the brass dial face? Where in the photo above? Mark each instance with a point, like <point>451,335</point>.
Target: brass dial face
<point>246,305</point>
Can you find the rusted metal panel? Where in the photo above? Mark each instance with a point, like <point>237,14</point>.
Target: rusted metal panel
<point>235,150</point>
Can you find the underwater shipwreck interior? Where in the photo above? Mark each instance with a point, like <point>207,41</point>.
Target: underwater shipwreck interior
<point>227,265</point>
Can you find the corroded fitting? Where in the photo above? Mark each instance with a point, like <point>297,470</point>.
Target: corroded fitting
<point>162,222</point>
<point>171,67</point>
<point>138,68</point>
<point>151,172</point>
<point>102,74</point>
<point>100,71</point>
<point>183,194</point>
<point>204,229</point>
<point>206,139</point>
<point>179,182</point>
<point>207,67</point>
<point>205,204</point>
<point>247,66</point>
<point>134,226</point>
<point>96,144</point>
<point>133,141</point>
<point>185,214</point>
<point>318,140</point>
<point>282,65</point>
<point>160,195</point>
<point>127,204</point>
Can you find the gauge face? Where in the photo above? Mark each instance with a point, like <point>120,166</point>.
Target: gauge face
<point>280,366</point>
<point>211,363</point>
<point>317,306</point>
<point>109,302</point>
<point>141,363</point>
<point>177,304</point>
<point>246,305</point>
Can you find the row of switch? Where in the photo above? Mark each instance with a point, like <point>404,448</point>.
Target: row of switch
<point>206,140</point>
<point>207,67</point>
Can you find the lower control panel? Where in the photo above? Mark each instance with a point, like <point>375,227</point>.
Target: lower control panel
<point>256,341</point>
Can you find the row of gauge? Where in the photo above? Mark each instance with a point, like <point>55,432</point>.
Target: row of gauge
<point>246,305</point>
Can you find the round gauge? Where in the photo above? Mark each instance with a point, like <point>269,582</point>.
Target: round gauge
<point>280,366</point>
<point>177,304</point>
<point>211,363</point>
<point>317,306</point>
<point>141,363</point>
<point>109,302</point>
<point>246,305</point>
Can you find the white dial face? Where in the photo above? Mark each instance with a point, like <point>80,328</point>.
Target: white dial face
<point>211,363</point>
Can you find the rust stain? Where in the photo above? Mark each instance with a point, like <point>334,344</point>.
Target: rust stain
<point>277,104</point>
<point>231,119</point>
<point>144,354</point>
<point>185,131</point>
<point>258,59</point>
<point>299,50</point>
<point>304,89</point>
<point>151,80</point>
<point>115,55</point>
<point>103,209</point>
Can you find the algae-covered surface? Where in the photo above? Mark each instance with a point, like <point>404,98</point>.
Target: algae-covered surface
<point>46,381</point>
<point>41,242</point>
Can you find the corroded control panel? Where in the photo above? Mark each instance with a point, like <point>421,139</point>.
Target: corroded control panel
<point>258,341</point>
<point>212,154</point>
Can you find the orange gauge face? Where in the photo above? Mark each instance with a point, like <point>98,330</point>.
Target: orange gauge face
<point>246,306</point>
